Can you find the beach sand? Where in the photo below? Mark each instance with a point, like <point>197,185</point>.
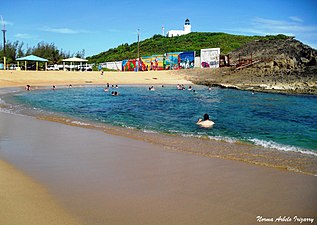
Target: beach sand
<point>24,201</point>
<point>13,78</point>
<point>72,175</point>
<point>105,179</point>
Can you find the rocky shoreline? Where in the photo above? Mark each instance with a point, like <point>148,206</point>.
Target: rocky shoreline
<point>279,66</point>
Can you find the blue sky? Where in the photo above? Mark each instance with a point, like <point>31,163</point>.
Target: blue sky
<point>97,25</point>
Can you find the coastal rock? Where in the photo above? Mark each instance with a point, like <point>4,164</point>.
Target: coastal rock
<point>284,65</point>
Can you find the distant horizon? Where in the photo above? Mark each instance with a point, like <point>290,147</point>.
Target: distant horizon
<point>98,27</point>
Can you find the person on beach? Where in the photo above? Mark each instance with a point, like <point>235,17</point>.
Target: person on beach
<point>54,87</point>
<point>28,87</point>
<point>206,123</point>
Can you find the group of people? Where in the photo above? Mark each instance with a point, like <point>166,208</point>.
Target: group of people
<point>182,87</point>
<point>113,93</point>
<point>204,123</point>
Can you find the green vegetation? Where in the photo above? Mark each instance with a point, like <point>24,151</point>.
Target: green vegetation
<point>158,44</point>
<point>195,41</point>
<point>50,52</point>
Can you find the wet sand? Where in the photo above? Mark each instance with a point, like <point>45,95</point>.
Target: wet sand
<point>24,201</point>
<point>106,179</point>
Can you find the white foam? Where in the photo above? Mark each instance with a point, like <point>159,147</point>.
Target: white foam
<point>80,123</point>
<point>281,147</point>
<point>150,131</point>
<point>226,139</point>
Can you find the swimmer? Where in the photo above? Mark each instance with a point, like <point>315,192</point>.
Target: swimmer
<point>206,123</point>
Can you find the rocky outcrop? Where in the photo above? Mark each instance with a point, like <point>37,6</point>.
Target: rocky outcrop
<point>285,65</point>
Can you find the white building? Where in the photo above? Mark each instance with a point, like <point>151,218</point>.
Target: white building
<point>187,30</point>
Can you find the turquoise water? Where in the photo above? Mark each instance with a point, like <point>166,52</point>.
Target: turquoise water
<point>285,122</point>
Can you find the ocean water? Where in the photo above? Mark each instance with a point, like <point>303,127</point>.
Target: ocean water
<point>283,122</point>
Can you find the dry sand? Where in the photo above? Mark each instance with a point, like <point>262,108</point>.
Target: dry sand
<point>13,78</point>
<point>97,178</point>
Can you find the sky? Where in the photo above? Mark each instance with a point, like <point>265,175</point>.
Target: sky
<point>98,25</point>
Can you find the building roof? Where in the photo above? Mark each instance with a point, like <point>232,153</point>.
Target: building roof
<point>32,58</point>
<point>75,59</point>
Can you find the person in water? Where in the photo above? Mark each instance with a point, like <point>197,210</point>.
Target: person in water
<point>206,123</point>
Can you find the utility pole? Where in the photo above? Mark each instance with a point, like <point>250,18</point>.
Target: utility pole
<point>138,66</point>
<point>4,43</point>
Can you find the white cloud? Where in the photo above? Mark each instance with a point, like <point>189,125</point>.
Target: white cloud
<point>296,19</point>
<point>24,36</point>
<point>292,27</point>
<point>113,30</point>
<point>63,30</point>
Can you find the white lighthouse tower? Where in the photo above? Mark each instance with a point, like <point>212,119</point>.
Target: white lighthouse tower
<point>187,27</point>
<point>187,30</point>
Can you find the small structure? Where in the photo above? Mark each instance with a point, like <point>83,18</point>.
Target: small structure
<point>32,58</point>
<point>210,57</point>
<point>187,30</point>
<point>74,60</point>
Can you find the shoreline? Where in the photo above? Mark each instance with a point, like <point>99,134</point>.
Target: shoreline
<point>118,175</point>
<point>210,147</point>
<point>103,177</point>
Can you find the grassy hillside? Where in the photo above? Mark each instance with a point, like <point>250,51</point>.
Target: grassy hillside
<point>195,41</point>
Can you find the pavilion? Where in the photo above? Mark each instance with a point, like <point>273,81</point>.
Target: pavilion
<point>32,58</point>
<point>74,60</point>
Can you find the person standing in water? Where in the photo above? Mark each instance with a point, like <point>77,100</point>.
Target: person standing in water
<point>206,123</point>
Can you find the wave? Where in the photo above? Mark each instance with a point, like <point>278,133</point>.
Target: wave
<point>281,147</point>
<point>79,123</point>
<point>216,138</point>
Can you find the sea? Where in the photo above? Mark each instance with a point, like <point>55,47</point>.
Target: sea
<point>270,122</point>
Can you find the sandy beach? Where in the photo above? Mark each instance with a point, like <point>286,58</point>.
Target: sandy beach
<point>14,78</point>
<point>52,173</point>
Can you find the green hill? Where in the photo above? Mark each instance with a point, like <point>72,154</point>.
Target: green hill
<point>195,41</point>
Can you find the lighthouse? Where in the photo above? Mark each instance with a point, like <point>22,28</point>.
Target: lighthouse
<point>187,30</point>
<point>187,27</point>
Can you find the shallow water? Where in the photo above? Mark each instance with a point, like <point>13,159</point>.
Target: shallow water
<point>271,130</point>
<point>284,122</point>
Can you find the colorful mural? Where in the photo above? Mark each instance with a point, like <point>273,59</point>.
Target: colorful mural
<point>172,61</point>
<point>129,65</point>
<point>210,57</point>
<point>158,62</point>
<point>146,61</point>
<point>186,60</point>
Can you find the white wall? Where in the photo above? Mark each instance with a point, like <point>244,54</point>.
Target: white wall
<point>210,56</point>
<point>112,65</point>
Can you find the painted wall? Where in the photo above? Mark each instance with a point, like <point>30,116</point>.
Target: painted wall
<point>172,60</point>
<point>210,57</point>
<point>186,60</point>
